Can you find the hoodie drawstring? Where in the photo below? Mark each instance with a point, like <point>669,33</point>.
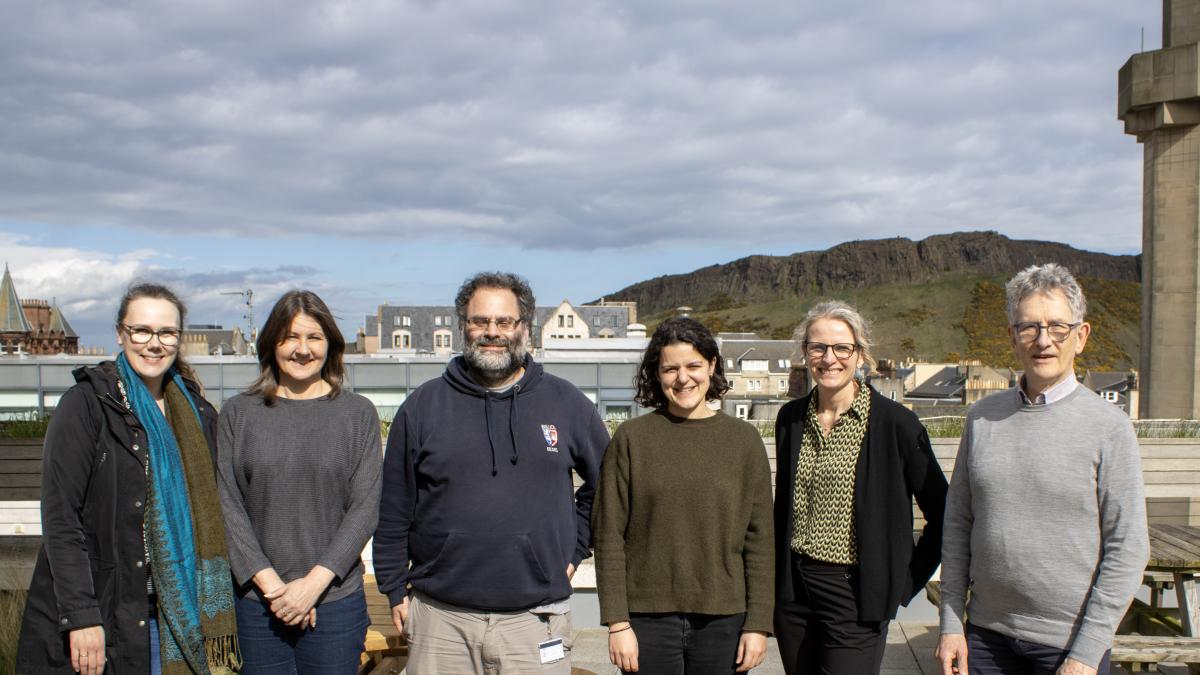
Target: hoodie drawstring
<point>512,424</point>
<point>487,420</point>
<point>512,421</point>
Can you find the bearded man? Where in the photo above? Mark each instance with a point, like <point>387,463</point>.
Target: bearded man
<point>480,529</point>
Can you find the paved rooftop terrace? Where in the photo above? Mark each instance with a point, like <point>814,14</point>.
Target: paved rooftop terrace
<point>909,651</point>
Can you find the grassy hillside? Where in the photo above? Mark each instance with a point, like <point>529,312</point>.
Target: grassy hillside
<point>948,319</point>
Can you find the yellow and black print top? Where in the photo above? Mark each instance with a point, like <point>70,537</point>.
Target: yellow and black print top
<point>823,496</point>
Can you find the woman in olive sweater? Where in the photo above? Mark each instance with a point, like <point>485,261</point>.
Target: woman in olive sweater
<point>682,523</point>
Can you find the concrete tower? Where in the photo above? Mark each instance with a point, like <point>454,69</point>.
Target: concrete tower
<point>1158,98</point>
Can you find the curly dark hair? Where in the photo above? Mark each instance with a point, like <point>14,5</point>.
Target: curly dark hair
<point>526,304</point>
<point>680,329</point>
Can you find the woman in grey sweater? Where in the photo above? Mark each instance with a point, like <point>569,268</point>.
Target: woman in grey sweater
<point>299,462</point>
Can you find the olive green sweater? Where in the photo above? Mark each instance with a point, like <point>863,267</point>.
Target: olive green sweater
<point>682,521</point>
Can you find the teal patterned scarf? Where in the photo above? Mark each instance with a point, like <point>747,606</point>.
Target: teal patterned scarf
<point>184,531</point>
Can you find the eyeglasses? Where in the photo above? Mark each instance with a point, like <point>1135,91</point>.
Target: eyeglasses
<point>842,350</point>
<point>1028,331</point>
<point>504,323</point>
<point>140,335</point>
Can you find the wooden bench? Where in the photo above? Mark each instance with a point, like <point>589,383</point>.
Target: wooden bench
<point>386,651</point>
<point>1138,653</point>
<point>1170,653</point>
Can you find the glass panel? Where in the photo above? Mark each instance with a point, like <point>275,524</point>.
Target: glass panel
<point>578,374</point>
<point>54,377</point>
<point>617,374</point>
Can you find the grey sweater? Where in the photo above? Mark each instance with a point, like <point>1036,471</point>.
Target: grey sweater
<point>299,485</point>
<point>1045,522</point>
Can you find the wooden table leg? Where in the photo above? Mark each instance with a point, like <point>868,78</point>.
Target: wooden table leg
<point>1189,603</point>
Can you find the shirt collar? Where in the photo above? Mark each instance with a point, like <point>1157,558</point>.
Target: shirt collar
<point>1056,392</point>
<point>860,407</point>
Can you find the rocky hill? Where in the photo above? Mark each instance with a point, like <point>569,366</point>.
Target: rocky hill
<point>863,264</point>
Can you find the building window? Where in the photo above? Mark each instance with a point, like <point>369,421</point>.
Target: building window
<point>785,363</point>
<point>729,363</point>
<point>741,411</point>
<point>1110,396</point>
<point>441,340</point>
<point>401,339</point>
<point>753,385</point>
<point>396,321</point>
<point>570,321</point>
<point>437,320</point>
<point>754,364</point>
<point>782,385</point>
<point>406,320</point>
<point>562,320</point>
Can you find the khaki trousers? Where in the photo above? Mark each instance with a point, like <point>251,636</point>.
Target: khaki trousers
<point>444,639</point>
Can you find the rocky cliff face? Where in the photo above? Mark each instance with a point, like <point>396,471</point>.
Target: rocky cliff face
<point>869,263</point>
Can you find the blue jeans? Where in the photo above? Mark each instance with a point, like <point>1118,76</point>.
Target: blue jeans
<point>687,644</point>
<point>992,653</point>
<point>155,656</point>
<point>269,647</point>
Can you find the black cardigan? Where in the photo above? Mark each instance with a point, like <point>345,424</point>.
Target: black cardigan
<point>896,463</point>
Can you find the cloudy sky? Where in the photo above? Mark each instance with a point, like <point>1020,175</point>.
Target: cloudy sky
<point>381,151</point>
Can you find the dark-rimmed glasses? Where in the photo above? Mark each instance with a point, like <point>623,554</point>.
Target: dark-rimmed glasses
<point>842,350</point>
<point>503,323</point>
<point>140,335</point>
<point>1029,331</point>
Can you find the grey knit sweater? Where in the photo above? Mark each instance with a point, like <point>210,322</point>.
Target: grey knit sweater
<point>299,485</point>
<point>1045,522</point>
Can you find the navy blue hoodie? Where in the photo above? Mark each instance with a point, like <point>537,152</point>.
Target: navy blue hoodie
<point>477,491</point>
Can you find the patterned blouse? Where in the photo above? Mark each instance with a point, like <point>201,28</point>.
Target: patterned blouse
<point>823,496</point>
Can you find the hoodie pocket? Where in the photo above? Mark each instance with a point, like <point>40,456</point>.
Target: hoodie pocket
<point>486,569</point>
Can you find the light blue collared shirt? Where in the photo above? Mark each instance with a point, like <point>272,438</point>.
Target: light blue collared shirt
<point>1056,392</point>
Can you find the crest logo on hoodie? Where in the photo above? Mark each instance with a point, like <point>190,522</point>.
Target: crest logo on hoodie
<point>551,435</point>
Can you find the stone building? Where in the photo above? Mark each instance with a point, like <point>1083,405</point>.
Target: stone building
<point>32,326</point>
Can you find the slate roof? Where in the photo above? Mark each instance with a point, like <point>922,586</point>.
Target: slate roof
<point>12,317</point>
<point>422,324</point>
<point>946,383</point>
<point>1107,379</point>
<point>772,351</point>
<point>58,322</point>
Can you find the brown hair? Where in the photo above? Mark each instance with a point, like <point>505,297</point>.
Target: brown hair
<point>138,291</point>
<point>279,322</point>
<point>673,331</point>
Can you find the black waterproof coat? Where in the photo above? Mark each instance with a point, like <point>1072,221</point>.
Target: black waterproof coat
<point>896,463</point>
<point>91,568</point>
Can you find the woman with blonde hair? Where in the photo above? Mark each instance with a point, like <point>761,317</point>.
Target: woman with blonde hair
<point>849,464</point>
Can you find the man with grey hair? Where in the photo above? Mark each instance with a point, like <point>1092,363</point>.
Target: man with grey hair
<point>1046,517</point>
<point>480,529</point>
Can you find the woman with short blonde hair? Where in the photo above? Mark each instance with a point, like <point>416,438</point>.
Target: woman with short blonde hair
<point>849,464</point>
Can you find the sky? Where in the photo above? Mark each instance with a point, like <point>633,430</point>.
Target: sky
<point>382,151</point>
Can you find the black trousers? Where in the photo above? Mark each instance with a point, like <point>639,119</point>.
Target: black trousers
<point>819,633</point>
<point>687,644</point>
<point>992,653</point>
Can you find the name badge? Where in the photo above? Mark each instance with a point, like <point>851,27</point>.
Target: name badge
<point>552,650</point>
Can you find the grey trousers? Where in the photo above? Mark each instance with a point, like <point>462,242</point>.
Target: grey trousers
<point>444,638</point>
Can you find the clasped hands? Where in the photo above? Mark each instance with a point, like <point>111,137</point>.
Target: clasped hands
<point>294,603</point>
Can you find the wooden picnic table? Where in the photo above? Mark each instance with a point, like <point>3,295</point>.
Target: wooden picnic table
<point>1176,549</point>
<point>386,650</point>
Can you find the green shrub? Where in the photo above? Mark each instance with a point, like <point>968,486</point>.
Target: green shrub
<point>12,606</point>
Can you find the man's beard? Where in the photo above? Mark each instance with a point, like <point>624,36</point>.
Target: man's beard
<point>493,366</point>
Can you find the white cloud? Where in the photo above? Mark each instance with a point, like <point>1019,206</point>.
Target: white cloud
<point>587,124</point>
